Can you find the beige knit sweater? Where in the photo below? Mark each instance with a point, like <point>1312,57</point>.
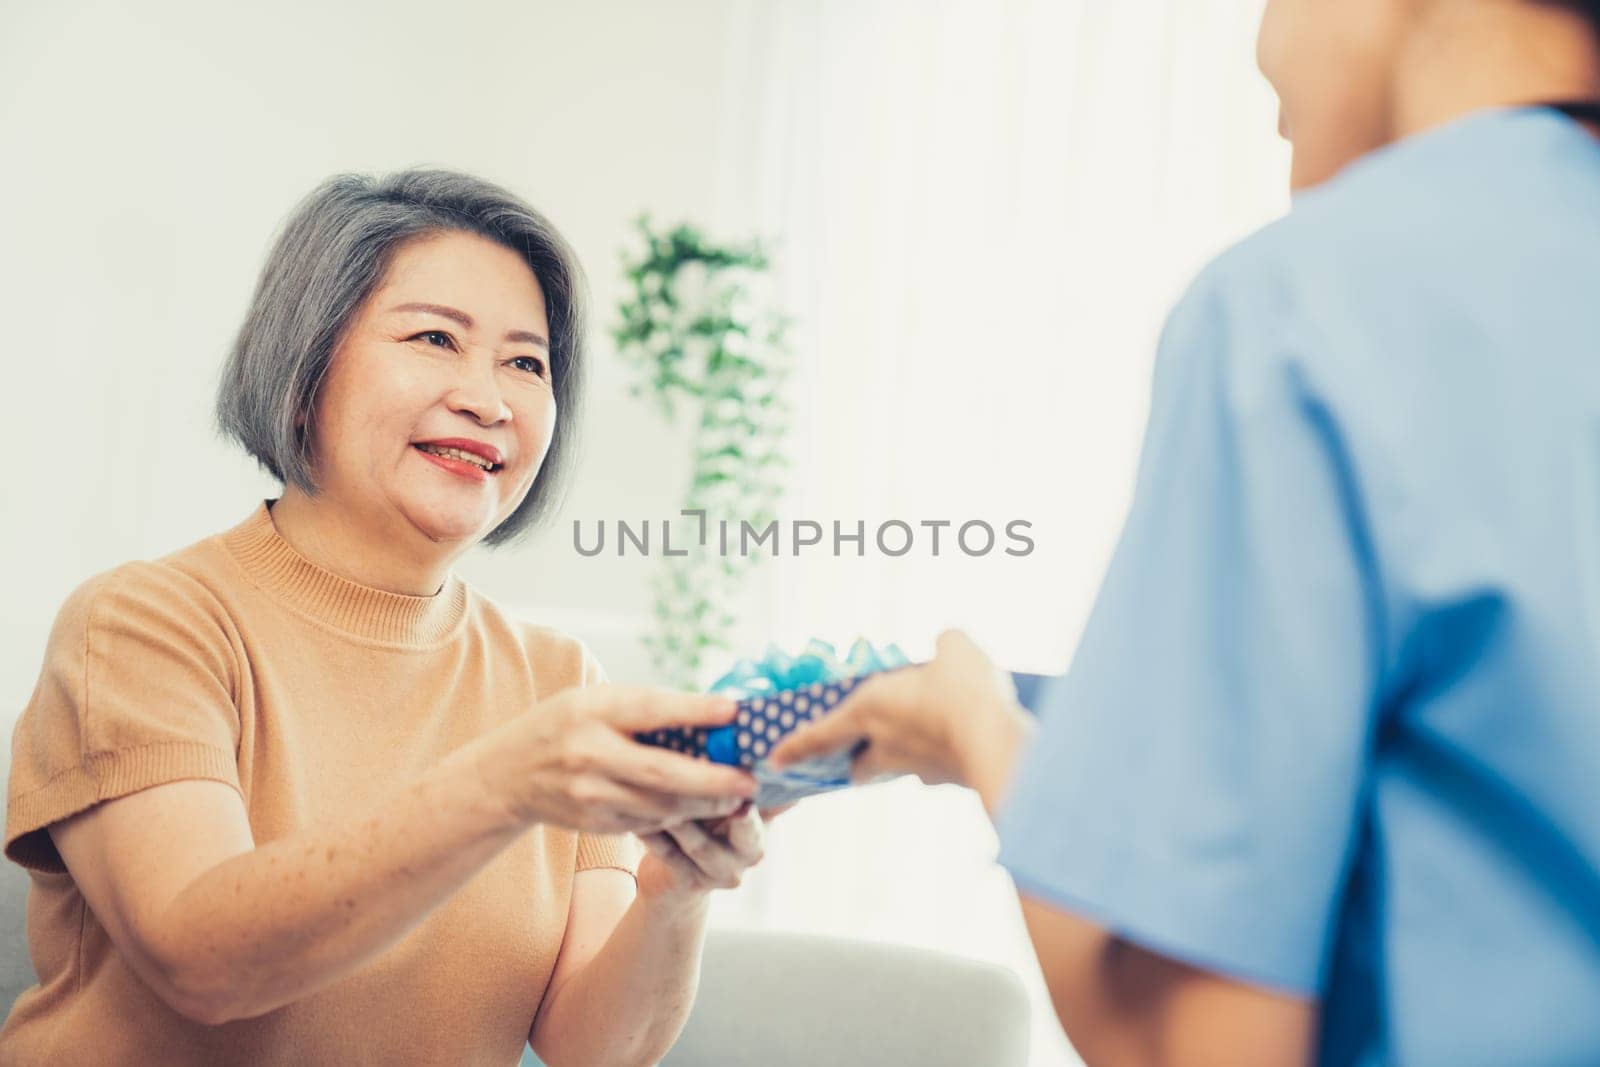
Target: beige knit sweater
<point>238,660</point>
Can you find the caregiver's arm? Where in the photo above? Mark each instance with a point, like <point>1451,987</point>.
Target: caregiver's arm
<point>955,719</point>
<point>223,929</point>
<point>1123,1005</point>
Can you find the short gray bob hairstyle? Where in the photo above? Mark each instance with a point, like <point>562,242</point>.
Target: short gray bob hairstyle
<point>330,257</point>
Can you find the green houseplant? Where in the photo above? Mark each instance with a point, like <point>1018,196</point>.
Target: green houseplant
<point>695,326</point>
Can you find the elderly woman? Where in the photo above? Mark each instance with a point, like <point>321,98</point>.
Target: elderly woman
<point>1322,781</point>
<point>299,794</point>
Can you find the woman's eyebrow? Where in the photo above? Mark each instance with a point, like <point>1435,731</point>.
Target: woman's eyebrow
<point>465,320</point>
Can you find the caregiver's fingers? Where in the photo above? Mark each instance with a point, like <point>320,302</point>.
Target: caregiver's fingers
<point>954,649</point>
<point>848,723</point>
<point>957,643</point>
<point>868,768</point>
<point>839,729</point>
<point>637,708</point>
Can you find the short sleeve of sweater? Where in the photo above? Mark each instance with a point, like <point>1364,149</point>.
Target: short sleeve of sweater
<point>620,852</point>
<point>137,689</point>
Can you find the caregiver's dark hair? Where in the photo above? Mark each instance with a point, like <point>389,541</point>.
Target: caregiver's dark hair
<point>1590,9</point>
<point>330,257</point>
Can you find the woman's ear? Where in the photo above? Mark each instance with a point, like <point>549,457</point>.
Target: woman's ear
<point>302,437</point>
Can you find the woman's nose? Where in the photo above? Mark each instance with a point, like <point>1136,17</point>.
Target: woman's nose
<point>477,393</point>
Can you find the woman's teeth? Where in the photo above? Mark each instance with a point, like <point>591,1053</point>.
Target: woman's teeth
<point>456,453</point>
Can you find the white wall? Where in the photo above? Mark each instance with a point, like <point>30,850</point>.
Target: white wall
<point>149,153</point>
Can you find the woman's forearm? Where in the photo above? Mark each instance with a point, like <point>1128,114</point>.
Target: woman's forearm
<point>275,924</point>
<point>629,1004</point>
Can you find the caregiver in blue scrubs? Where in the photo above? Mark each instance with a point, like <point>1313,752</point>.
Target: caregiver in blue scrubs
<point>1323,781</point>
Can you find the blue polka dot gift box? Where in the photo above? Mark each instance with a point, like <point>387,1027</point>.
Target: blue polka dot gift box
<point>778,694</point>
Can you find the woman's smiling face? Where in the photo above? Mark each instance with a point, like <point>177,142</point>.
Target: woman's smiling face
<point>452,347</point>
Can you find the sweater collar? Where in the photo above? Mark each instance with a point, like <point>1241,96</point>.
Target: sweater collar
<point>357,609</point>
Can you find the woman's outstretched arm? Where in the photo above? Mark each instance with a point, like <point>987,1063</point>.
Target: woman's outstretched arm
<point>224,929</point>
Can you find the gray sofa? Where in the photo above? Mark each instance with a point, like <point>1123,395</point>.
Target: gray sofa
<point>787,1000</point>
<point>16,970</point>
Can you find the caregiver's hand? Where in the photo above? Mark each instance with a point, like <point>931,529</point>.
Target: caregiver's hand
<point>693,858</point>
<point>952,719</point>
<point>572,761</point>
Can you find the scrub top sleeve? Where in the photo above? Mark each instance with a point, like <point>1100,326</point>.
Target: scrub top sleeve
<point>1195,782</point>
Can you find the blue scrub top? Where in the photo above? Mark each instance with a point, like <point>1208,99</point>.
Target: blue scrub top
<point>1334,724</point>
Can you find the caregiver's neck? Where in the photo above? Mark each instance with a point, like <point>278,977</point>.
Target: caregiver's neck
<point>1462,57</point>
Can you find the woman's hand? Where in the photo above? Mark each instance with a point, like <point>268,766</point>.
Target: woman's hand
<point>693,858</point>
<point>572,761</point>
<point>952,719</point>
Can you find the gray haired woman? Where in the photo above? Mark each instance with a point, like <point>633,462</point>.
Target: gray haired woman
<point>297,793</point>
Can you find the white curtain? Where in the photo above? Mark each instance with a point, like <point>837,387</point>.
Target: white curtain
<point>983,212</point>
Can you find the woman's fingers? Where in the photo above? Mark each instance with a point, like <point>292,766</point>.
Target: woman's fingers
<point>634,708</point>
<point>746,836</point>
<point>625,808</point>
<point>679,787</point>
<point>710,855</point>
<point>718,862</point>
<point>665,771</point>
<point>667,851</point>
<point>719,827</point>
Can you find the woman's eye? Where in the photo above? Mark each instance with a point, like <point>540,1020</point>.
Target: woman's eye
<point>531,363</point>
<point>444,337</point>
